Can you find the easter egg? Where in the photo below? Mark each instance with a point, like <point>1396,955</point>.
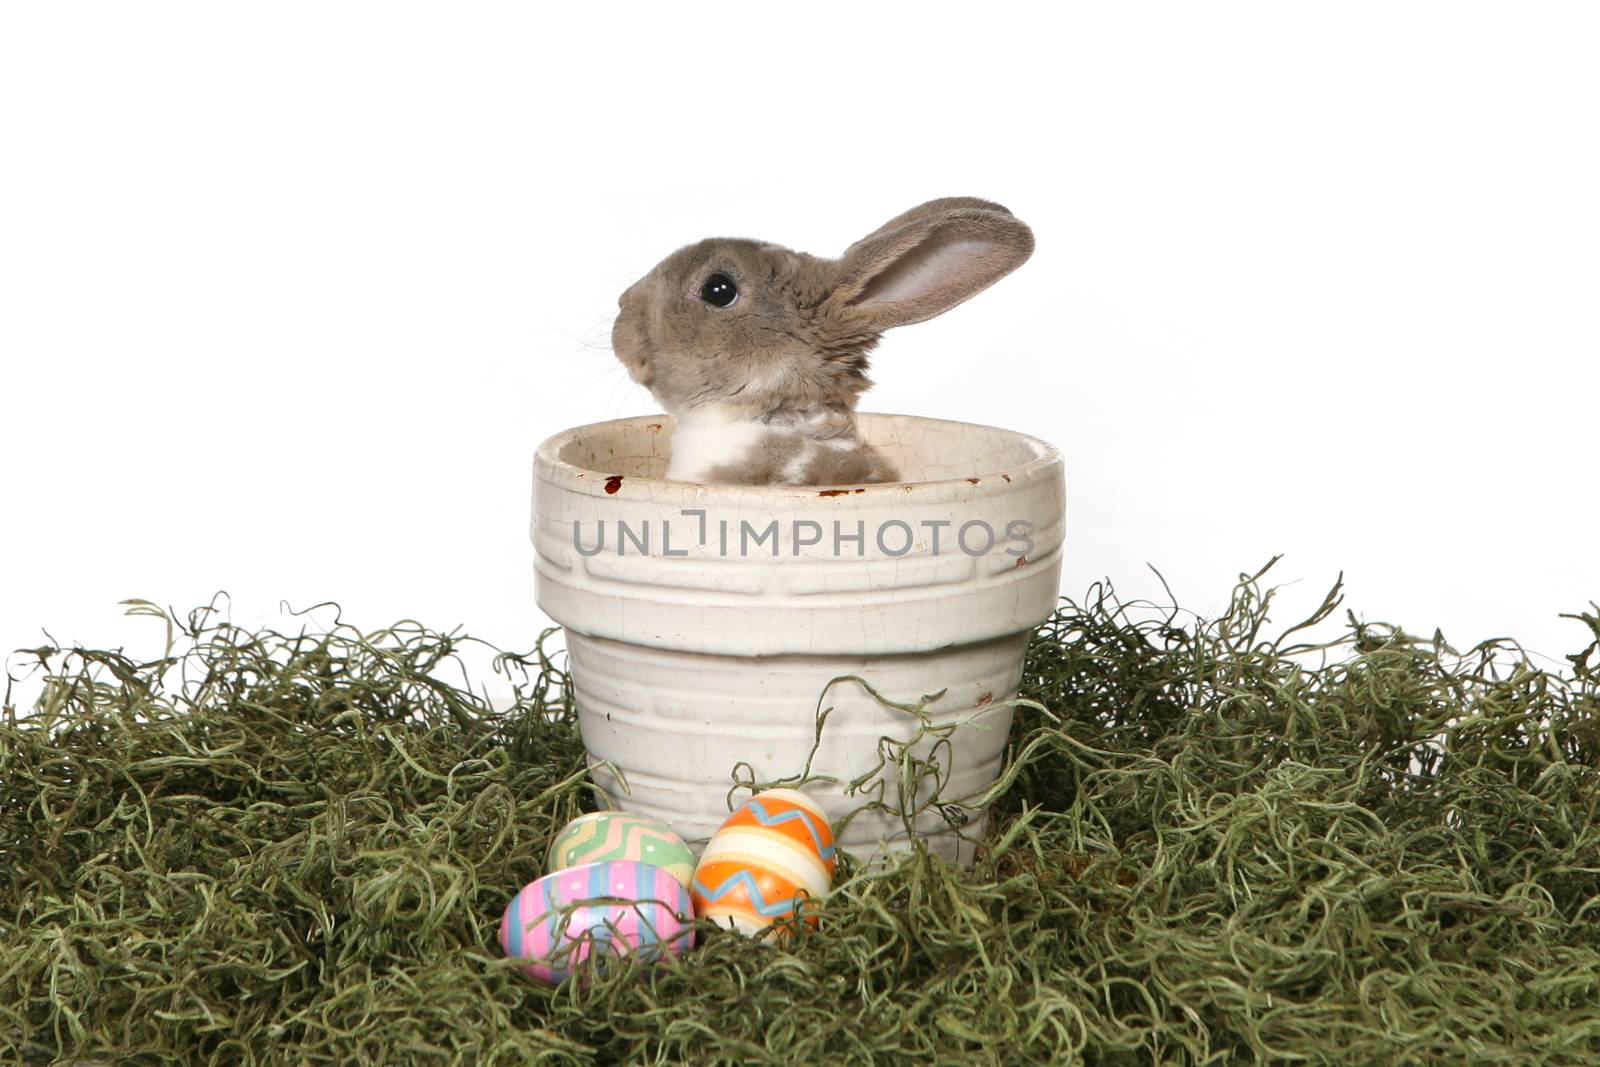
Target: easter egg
<point>617,835</point>
<point>775,850</point>
<point>596,911</point>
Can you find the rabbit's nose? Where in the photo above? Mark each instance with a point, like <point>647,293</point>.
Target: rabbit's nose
<point>627,294</point>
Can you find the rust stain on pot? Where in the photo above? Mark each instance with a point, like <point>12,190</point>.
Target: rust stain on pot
<point>1022,561</point>
<point>987,696</point>
<point>655,426</point>
<point>613,483</point>
<point>974,481</point>
<point>1007,477</point>
<point>838,492</point>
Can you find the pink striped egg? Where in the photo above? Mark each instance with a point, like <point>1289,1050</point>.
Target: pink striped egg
<point>598,910</point>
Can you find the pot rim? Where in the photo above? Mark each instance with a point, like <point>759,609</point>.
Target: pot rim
<point>552,468</point>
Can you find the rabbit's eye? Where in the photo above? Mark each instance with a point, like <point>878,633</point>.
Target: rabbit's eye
<point>719,291</point>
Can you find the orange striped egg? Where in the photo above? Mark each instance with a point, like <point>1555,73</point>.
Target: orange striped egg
<point>775,850</point>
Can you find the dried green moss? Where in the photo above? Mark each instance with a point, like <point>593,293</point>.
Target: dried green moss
<point>1213,846</point>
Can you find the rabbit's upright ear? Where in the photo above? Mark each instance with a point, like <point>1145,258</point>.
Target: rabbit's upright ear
<point>925,262</point>
<point>930,209</point>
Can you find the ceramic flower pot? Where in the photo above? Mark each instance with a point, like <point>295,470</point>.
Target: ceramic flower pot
<point>704,622</point>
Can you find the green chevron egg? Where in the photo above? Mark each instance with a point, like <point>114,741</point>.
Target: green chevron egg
<point>617,835</point>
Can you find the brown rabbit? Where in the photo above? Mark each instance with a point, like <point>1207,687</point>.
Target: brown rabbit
<point>759,353</point>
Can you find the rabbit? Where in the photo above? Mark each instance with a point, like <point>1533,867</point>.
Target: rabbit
<point>759,353</point>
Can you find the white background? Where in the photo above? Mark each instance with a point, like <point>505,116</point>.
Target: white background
<point>289,292</point>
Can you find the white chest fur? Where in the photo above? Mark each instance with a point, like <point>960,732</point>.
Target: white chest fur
<point>702,443</point>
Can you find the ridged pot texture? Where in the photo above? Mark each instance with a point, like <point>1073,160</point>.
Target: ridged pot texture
<point>709,626</point>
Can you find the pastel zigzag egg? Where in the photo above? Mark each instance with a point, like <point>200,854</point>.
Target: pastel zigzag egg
<point>596,912</point>
<point>774,851</point>
<point>618,835</point>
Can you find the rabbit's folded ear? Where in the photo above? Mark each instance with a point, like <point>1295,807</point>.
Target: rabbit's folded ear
<point>925,262</point>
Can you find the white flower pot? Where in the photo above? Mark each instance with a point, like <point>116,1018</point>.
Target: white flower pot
<point>692,653</point>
